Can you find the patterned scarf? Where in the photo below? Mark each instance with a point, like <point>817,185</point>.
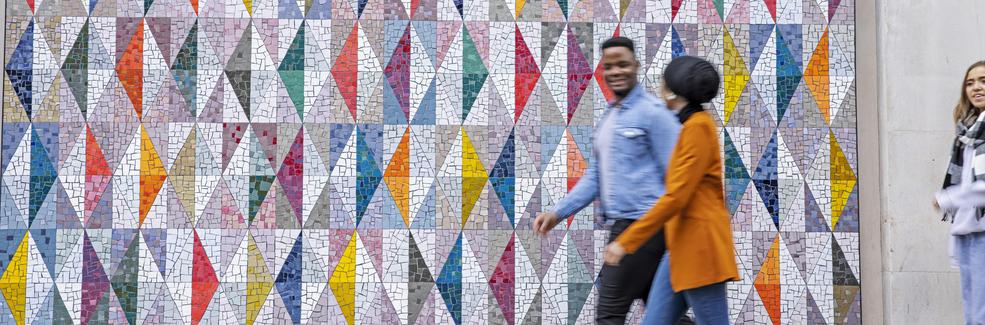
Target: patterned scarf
<point>966,136</point>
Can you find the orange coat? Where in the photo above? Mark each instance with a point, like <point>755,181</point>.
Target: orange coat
<point>699,229</point>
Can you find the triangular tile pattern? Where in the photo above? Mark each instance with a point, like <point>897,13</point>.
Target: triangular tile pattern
<point>361,161</point>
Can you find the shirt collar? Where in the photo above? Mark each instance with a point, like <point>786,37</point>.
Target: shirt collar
<point>630,99</point>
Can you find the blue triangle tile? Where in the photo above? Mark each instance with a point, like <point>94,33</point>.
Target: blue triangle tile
<point>765,178</point>
<point>676,44</point>
<point>339,137</point>
<point>10,214</point>
<point>736,176</point>
<point>426,214</point>
<point>450,281</point>
<point>759,36</point>
<point>425,114</point>
<point>288,9</point>
<point>813,217</point>
<point>848,221</point>
<point>45,241</point>
<point>289,281</point>
<point>19,68</point>
<point>13,134</point>
<point>10,241</point>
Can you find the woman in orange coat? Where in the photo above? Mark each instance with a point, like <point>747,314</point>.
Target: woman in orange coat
<point>700,251</point>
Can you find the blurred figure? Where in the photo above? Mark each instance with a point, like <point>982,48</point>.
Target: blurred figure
<point>963,197</point>
<point>700,251</point>
<point>632,146</point>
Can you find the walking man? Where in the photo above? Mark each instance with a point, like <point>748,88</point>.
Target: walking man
<point>632,147</point>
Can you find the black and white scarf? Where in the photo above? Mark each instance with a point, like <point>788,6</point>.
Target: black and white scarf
<point>966,136</point>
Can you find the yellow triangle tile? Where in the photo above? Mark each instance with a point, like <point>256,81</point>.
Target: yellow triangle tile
<point>474,177</point>
<point>259,281</point>
<point>343,281</point>
<point>13,283</point>
<point>736,75</point>
<point>249,6</point>
<point>843,180</point>
<point>150,161</point>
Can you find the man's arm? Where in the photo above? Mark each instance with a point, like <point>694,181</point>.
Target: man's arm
<point>584,192</point>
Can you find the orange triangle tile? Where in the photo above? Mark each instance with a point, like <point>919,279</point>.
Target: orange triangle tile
<point>817,77</point>
<point>130,69</point>
<point>768,281</point>
<point>397,176</point>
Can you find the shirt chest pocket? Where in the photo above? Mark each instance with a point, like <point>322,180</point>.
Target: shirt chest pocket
<point>631,141</point>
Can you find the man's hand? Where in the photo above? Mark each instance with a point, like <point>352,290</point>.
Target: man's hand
<point>614,253</point>
<point>545,222</point>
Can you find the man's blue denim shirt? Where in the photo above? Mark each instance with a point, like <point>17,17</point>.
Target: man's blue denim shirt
<point>645,133</point>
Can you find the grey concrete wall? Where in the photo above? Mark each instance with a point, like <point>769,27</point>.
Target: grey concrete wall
<point>924,47</point>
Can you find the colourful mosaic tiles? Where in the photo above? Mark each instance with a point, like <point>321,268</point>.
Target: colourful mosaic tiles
<point>380,161</point>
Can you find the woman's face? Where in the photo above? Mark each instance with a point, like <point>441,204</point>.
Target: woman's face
<point>974,87</point>
<point>665,92</point>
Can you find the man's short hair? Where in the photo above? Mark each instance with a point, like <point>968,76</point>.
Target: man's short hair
<point>619,41</point>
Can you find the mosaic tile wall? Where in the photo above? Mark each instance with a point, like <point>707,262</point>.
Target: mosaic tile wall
<point>380,161</point>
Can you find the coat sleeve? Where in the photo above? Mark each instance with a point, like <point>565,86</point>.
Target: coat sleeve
<point>688,165</point>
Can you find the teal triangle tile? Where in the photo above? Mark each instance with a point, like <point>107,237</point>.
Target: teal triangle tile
<point>54,206</point>
<point>474,72</point>
<point>59,312</point>
<point>124,281</point>
<point>736,176</point>
<point>75,68</point>
<point>577,296</point>
<point>449,282</point>
<point>789,49</point>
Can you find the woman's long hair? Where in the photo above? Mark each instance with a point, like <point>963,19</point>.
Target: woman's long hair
<point>964,111</point>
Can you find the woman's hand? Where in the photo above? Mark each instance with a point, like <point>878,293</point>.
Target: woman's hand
<point>614,253</point>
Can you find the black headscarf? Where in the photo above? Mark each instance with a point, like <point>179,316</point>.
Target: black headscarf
<point>694,79</point>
